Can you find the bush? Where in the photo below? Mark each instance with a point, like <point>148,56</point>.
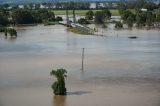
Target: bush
<point>83,21</point>
<point>118,25</point>
<point>2,29</point>
<point>125,14</point>
<point>58,18</point>
<point>158,18</point>
<point>11,31</point>
<point>107,13</point>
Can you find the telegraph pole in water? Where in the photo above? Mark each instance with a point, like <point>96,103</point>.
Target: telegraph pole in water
<point>82,58</point>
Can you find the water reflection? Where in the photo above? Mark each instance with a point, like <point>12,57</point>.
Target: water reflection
<point>78,93</point>
<point>59,100</point>
<point>12,39</point>
<point>71,42</point>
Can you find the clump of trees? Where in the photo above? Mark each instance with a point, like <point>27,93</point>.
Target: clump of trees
<point>23,16</point>
<point>119,25</point>
<point>130,20</point>
<point>26,16</point>
<point>158,17</point>
<point>2,29</point>
<point>11,31</point>
<point>58,18</point>
<point>46,15</point>
<point>3,19</point>
<point>145,19</point>
<point>101,16</point>
<point>128,17</point>
<point>140,18</point>
<point>7,31</point>
<point>89,15</point>
<point>59,85</point>
<point>107,13</point>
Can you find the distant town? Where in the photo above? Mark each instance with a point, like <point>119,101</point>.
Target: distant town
<point>54,4</point>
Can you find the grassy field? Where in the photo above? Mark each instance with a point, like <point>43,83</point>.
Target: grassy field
<point>83,12</point>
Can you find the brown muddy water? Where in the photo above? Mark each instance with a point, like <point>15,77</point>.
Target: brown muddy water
<point>118,71</point>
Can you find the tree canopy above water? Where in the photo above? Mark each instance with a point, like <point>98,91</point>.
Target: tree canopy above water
<point>59,85</point>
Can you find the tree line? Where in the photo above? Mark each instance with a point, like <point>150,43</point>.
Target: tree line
<point>99,17</point>
<point>26,16</point>
<point>139,18</point>
<point>127,4</point>
<point>138,4</point>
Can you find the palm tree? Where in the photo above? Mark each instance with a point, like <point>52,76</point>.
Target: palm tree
<point>59,85</point>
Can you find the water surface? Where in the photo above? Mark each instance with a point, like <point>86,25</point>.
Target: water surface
<point>118,71</point>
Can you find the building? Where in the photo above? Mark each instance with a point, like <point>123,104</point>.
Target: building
<point>143,9</point>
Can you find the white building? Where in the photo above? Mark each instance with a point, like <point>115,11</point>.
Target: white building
<point>143,9</point>
<point>42,6</point>
<point>93,5</point>
<point>21,6</point>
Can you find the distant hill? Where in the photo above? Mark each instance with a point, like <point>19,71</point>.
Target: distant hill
<point>41,1</point>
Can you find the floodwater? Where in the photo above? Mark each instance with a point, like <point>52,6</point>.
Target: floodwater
<point>118,71</point>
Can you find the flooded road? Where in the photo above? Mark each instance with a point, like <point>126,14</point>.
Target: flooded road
<point>118,71</point>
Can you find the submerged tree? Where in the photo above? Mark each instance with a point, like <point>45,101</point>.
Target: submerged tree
<point>99,17</point>
<point>130,20</point>
<point>89,15</point>
<point>83,21</point>
<point>107,13</point>
<point>59,85</point>
<point>119,25</point>
<point>12,32</point>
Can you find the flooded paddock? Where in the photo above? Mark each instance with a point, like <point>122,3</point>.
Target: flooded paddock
<point>118,71</point>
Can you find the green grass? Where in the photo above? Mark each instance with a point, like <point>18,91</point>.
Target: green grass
<point>114,12</point>
<point>133,11</point>
<point>83,12</point>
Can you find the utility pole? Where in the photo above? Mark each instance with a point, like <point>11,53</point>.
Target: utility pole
<point>82,58</point>
<point>74,16</point>
<point>67,17</point>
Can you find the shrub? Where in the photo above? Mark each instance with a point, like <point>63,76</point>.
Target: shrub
<point>118,25</point>
<point>83,21</point>
<point>58,18</point>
